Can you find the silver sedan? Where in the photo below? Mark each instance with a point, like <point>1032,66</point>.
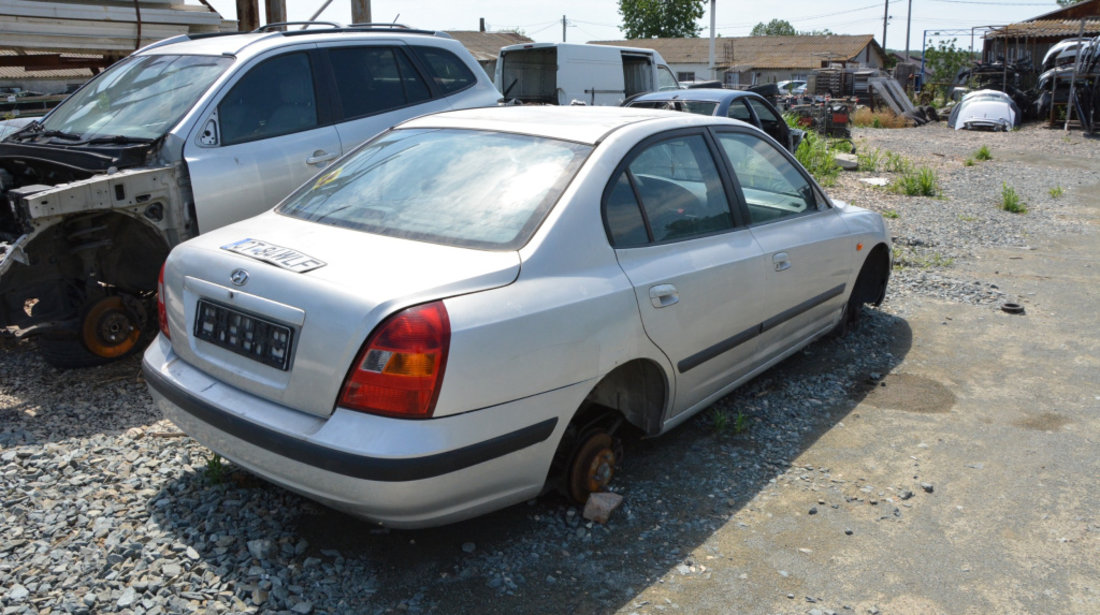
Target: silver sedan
<point>474,306</point>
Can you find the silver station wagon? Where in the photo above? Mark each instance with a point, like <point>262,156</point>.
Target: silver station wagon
<point>473,307</point>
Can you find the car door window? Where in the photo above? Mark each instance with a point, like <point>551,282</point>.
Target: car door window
<point>449,73</point>
<point>772,185</point>
<point>671,190</point>
<point>769,121</point>
<point>276,97</point>
<point>739,111</point>
<point>371,80</point>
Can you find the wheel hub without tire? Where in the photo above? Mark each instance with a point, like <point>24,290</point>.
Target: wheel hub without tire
<point>109,330</point>
<point>593,466</point>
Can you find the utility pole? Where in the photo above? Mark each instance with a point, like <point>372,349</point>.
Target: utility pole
<point>360,11</point>
<point>563,28</point>
<point>276,11</point>
<point>908,23</point>
<point>248,15</point>
<point>885,20</point>
<point>713,69</point>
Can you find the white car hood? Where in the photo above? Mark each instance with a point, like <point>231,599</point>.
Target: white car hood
<point>985,112</point>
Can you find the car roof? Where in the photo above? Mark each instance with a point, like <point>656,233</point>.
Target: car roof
<point>715,95</point>
<point>582,124</point>
<point>248,44</point>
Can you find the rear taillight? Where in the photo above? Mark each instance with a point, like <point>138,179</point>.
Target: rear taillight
<point>162,312</point>
<point>400,368</point>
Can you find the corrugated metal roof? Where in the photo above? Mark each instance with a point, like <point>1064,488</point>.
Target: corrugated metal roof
<point>1046,27</point>
<point>485,46</point>
<point>18,72</point>
<point>754,52</point>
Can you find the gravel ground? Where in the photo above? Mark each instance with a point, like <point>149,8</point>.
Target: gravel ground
<point>106,508</point>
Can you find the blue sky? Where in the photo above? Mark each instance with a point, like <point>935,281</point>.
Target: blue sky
<point>599,19</point>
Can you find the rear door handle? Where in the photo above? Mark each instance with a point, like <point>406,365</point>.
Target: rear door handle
<point>320,157</point>
<point>663,295</point>
<point>782,261</point>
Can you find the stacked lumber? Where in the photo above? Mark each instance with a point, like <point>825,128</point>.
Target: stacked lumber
<point>111,27</point>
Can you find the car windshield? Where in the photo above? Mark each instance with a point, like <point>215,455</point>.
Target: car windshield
<point>470,188</point>
<point>140,97</point>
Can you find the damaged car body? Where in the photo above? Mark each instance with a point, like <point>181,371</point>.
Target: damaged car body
<point>184,136</point>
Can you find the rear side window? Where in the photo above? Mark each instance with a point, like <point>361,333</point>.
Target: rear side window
<point>447,70</point>
<point>375,79</point>
<point>275,98</point>
<point>466,188</point>
<point>673,189</point>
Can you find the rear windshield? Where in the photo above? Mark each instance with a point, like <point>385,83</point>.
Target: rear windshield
<point>467,188</point>
<point>691,106</point>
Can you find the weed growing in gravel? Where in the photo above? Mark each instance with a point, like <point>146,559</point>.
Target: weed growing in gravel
<point>968,218</point>
<point>1056,192</point>
<point>905,257</point>
<point>921,182</point>
<point>869,160</point>
<point>815,154</point>
<point>896,163</point>
<point>969,162</point>
<point>1010,201</point>
<point>215,469</point>
<point>891,214</point>
<point>983,154</point>
<point>723,424</point>
<point>843,146</point>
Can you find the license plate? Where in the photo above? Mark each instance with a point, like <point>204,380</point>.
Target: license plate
<point>245,334</point>
<point>286,258</point>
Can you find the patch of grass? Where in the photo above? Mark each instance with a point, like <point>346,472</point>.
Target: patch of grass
<point>907,258</point>
<point>1056,192</point>
<point>724,424</point>
<point>843,145</point>
<point>969,162</point>
<point>864,118</point>
<point>968,218</point>
<point>216,471</point>
<point>869,160</point>
<point>983,154</point>
<point>896,163</point>
<point>891,214</point>
<point>1010,201</point>
<point>921,182</point>
<point>819,159</point>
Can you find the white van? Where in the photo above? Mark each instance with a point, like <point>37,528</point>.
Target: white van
<point>569,73</point>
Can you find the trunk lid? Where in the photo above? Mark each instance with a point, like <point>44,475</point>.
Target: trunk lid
<point>330,288</point>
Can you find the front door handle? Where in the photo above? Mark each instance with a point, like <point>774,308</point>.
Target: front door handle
<point>663,295</point>
<point>782,261</point>
<point>320,157</point>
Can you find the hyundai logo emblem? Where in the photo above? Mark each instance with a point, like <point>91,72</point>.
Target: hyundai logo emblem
<point>239,277</point>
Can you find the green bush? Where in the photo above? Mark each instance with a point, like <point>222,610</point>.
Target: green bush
<point>815,154</point>
<point>869,160</point>
<point>896,163</point>
<point>1057,191</point>
<point>921,182</point>
<point>969,162</point>
<point>983,154</point>
<point>1010,201</point>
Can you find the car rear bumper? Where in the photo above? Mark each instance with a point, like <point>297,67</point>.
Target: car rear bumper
<point>402,473</point>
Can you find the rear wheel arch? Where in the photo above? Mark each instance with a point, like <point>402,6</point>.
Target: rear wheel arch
<point>638,390</point>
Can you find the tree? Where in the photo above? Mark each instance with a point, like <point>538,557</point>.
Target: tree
<point>661,18</point>
<point>775,27</point>
<point>945,61</point>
